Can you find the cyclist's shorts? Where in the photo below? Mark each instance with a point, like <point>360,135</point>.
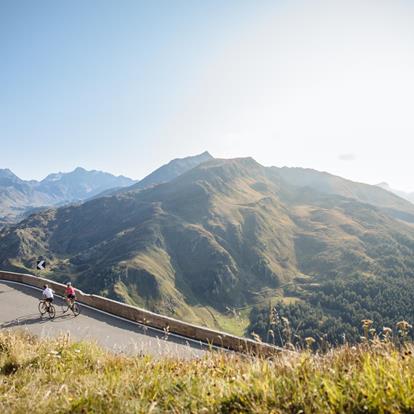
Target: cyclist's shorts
<point>50,300</point>
<point>71,297</point>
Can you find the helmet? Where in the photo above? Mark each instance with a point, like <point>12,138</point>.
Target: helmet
<point>69,284</point>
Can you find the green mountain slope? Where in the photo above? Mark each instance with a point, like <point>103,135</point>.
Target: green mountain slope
<point>224,236</point>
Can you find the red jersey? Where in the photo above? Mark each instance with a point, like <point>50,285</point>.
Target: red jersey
<point>69,291</point>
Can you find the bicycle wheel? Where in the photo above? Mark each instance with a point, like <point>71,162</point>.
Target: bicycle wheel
<point>65,308</point>
<point>42,307</point>
<point>52,311</point>
<point>76,309</point>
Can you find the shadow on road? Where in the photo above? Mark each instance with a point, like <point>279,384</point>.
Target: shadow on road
<point>24,320</point>
<point>6,291</point>
<point>36,318</point>
<point>62,317</point>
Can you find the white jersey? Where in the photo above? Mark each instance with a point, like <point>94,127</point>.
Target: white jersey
<point>48,293</point>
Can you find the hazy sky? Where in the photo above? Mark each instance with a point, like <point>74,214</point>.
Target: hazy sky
<point>125,86</point>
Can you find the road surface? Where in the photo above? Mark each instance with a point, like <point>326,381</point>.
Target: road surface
<point>19,310</point>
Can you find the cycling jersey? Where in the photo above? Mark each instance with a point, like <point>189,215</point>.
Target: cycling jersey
<point>48,293</point>
<point>70,291</point>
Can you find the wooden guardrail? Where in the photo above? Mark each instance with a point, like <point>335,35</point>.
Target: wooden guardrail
<point>135,314</point>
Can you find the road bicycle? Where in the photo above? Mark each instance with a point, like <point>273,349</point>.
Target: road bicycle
<point>47,307</point>
<point>73,306</point>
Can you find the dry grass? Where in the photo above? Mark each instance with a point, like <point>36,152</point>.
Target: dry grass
<point>39,376</point>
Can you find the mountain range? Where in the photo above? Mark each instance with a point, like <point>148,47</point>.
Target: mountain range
<point>18,198</point>
<point>220,238</point>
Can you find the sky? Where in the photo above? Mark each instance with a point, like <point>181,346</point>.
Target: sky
<point>125,86</point>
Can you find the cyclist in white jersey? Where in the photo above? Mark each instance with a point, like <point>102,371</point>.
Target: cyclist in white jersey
<point>47,294</point>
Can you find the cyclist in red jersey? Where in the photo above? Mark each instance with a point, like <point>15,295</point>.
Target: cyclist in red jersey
<point>70,294</point>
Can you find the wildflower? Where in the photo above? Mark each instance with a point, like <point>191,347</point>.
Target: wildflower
<point>366,323</point>
<point>309,341</point>
<point>403,326</point>
<point>386,333</point>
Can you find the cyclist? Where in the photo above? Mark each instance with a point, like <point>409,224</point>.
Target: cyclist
<point>70,294</point>
<point>47,295</point>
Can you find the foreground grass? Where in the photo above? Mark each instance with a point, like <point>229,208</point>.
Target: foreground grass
<point>59,376</point>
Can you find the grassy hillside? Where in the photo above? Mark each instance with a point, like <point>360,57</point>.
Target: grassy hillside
<point>211,244</point>
<point>57,376</point>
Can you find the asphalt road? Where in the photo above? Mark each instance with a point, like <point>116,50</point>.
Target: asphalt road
<point>19,310</point>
